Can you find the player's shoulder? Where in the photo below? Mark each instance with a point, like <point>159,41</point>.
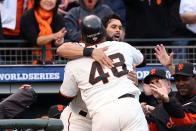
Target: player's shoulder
<point>75,63</point>
<point>71,65</point>
<point>118,44</point>
<point>115,43</point>
<point>125,45</point>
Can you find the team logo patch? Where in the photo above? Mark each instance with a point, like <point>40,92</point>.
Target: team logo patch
<point>180,67</point>
<point>153,71</point>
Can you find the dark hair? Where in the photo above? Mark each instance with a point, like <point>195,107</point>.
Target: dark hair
<point>106,19</point>
<point>37,4</point>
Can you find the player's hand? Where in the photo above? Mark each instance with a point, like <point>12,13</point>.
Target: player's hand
<point>102,58</point>
<point>132,75</point>
<point>59,36</point>
<point>147,109</point>
<point>63,6</point>
<point>162,55</point>
<point>61,10</point>
<point>161,91</point>
<point>25,86</point>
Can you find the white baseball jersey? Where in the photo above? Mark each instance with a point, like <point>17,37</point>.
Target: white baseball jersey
<point>77,104</point>
<point>188,6</point>
<point>71,118</point>
<point>100,86</point>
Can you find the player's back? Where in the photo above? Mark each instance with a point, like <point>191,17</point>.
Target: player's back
<point>100,86</point>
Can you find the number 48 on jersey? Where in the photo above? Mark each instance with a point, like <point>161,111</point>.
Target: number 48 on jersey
<point>104,76</point>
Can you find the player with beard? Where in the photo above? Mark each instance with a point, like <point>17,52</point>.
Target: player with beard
<point>102,91</point>
<point>114,32</point>
<point>77,108</point>
<point>114,28</point>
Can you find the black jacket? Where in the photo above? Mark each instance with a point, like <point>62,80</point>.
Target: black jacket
<point>30,28</point>
<point>182,113</point>
<point>160,118</point>
<point>17,103</point>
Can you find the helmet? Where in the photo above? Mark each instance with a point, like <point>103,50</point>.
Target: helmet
<point>92,30</point>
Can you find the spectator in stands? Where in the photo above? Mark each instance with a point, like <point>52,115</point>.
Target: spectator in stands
<point>118,7</point>
<point>178,30</point>
<point>11,11</point>
<point>184,75</point>
<point>178,27</point>
<point>43,28</point>
<point>1,30</point>
<point>66,5</point>
<point>147,19</point>
<point>187,13</point>
<point>55,111</point>
<point>14,11</point>
<point>75,15</point>
<point>17,102</point>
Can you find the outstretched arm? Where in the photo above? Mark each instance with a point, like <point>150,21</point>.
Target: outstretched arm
<point>17,102</point>
<point>164,58</point>
<point>179,114</point>
<point>71,51</point>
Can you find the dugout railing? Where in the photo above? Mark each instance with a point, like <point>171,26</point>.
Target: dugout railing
<point>16,64</point>
<point>31,125</point>
<point>23,55</point>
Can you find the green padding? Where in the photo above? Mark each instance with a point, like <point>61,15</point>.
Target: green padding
<point>47,124</point>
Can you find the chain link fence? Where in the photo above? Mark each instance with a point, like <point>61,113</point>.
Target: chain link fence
<point>24,56</point>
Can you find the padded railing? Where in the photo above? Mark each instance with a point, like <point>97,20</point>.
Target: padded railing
<point>45,124</point>
<point>23,56</point>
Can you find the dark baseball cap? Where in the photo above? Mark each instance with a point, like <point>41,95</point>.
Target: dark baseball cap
<point>55,111</point>
<point>160,73</point>
<point>185,69</point>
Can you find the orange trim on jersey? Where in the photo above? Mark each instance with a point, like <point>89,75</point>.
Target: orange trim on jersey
<point>152,127</point>
<point>188,119</point>
<point>69,121</point>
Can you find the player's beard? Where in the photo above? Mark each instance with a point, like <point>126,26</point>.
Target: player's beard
<point>108,38</point>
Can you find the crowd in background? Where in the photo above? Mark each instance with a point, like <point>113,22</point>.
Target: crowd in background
<point>140,19</point>
<point>46,27</point>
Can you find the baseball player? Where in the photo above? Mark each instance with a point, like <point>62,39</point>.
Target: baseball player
<point>109,95</point>
<point>79,120</point>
